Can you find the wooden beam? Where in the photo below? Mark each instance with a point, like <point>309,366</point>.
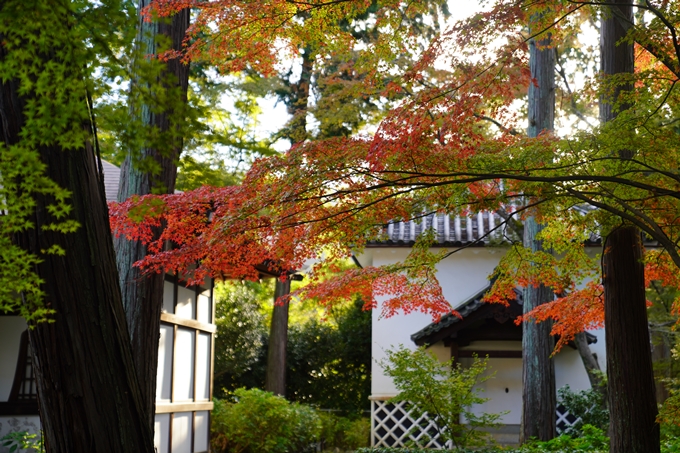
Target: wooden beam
<point>191,323</point>
<point>166,408</point>
<point>493,354</point>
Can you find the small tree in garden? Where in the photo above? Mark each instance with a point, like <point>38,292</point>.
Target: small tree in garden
<point>444,391</point>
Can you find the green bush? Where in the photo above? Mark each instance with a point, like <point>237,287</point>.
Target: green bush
<point>339,434</point>
<point>670,444</point>
<point>591,440</point>
<point>260,422</point>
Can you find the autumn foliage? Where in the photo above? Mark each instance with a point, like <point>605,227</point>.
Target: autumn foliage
<point>450,145</point>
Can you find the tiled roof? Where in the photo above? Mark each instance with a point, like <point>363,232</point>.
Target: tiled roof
<point>482,227</point>
<point>465,309</point>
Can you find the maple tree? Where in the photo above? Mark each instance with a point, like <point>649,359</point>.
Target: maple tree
<point>450,146</point>
<point>360,183</point>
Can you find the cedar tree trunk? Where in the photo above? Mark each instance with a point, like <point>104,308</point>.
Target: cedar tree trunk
<point>87,387</point>
<point>539,398</point>
<point>632,401</point>
<point>275,379</point>
<point>143,294</point>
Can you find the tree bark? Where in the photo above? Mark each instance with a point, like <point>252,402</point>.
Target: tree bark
<point>275,378</point>
<point>632,401</point>
<point>143,294</point>
<point>88,391</point>
<point>589,362</point>
<point>539,398</point>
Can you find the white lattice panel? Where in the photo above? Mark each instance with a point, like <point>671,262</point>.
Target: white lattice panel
<point>394,425</point>
<point>564,419</point>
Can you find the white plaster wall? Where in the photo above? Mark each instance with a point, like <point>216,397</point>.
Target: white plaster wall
<point>201,431</point>
<point>181,432</point>
<point>462,275</point>
<point>506,374</point>
<point>161,432</point>
<point>569,368</point>
<point>11,328</point>
<point>183,385</point>
<point>164,370</point>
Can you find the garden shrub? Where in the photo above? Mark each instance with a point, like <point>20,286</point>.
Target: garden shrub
<point>670,444</point>
<point>340,434</point>
<point>259,421</point>
<point>591,440</point>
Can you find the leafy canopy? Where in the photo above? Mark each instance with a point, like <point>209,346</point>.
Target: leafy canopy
<point>450,146</point>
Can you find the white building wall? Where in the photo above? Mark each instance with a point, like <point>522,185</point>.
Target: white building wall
<point>11,328</point>
<point>462,275</point>
<point>184,390</point>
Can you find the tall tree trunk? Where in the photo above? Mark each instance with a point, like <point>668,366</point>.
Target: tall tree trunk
<point>539,398</point>
<point>143,294</point>
<point>88,391</point>
<point>632,401</point>
<point>275,378</point>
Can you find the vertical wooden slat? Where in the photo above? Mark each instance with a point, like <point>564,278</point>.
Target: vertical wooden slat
<point>174,296</point>
<point>172,367</point>
<point>457,229</point>
<point>196,334</point>
<point>193,429</point>
<point>212,345</point>
<point>171,419</point>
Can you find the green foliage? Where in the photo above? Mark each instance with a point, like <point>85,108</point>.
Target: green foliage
<point>444,391</point>
<point>329,363</point>
<point>241,335</point>
<point>592,439</point>
<point>50,53</point>
<point>225,139</point>
<point>670,444</point>
<point>588,406</point>
<point>23,440</point>
<point>258,422</point>
<point>342,433</point>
